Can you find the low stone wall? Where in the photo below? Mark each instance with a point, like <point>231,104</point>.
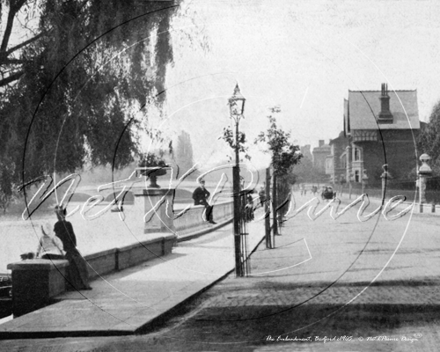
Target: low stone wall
<point>35,282</point>
<point>136,253</point>
<point>428,208</point>
<point>193,218</point>
<point>411,197</point>
<point>102,263</point>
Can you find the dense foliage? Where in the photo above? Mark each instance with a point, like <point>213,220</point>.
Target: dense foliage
<point>73,92</point>
<point>429,139</point>
<point>232,140</point>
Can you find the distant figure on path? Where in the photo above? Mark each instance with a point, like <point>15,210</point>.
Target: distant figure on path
<point>78,277</point>
<point>200,196</point>
<point>262,196</point>
<point>249,207</point>
<point>49,245</point>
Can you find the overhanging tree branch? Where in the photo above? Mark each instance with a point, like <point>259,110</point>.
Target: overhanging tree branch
<point>10,78</point>
<point>14,7</point>
<point>21,45</point>
<point>13,61</point>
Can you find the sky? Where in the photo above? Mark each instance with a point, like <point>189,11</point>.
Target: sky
<point>301,56</point>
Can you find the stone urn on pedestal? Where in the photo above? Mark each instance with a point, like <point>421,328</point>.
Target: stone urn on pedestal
<point>152,173</point>
<point>158,212</point>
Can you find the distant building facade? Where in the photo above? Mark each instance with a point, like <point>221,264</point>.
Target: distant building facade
<point>320,154</point>
<point>306,151</point>
<point>336,162</point>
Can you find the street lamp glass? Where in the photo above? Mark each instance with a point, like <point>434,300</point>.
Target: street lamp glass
<point>236,103</point>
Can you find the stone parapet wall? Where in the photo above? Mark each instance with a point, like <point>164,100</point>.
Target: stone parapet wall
<point>35,282</point>
<point>193,218</point>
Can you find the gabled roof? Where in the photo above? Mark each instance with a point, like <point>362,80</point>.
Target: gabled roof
<point>364,108</point>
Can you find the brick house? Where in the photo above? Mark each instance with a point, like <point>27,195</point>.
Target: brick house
<point>381,128</point>
<point>336,162</point>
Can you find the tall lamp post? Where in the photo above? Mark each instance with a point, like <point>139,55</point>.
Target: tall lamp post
<point>385,177</point>
<point>236,109</point>
<point>364,180</point>
<point>275,160</point>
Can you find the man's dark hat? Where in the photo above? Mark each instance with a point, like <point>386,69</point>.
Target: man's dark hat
<point>60,210</point>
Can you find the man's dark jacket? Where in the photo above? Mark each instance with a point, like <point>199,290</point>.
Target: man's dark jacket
<point>200,196</point>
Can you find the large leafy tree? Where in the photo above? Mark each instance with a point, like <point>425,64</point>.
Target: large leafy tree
<point>72,92</point>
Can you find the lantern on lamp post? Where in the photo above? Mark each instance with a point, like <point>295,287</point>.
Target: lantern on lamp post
<point>236,110</point>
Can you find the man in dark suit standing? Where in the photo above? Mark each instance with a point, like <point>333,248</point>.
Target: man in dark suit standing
<point>200,196</point>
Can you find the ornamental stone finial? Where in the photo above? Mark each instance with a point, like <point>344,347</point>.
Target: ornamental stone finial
<point>425,169</point>
<point>385,173</point>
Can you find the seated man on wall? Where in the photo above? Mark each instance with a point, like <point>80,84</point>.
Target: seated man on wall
<point>200,196</point>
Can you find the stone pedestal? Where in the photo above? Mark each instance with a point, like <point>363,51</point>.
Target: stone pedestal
<point>35,282</point>
<point>424,173</point>
<point>158,209</point>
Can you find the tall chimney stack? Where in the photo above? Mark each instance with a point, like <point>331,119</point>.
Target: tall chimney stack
<point>385,115</point>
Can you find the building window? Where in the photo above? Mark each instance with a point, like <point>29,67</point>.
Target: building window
<point>357,154</point>
<point>343,161</point>
<point>356,176</point>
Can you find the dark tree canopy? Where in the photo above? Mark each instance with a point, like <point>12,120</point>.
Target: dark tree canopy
<point>232,140</point>
<point>429,138</point>
<point>81,82</point>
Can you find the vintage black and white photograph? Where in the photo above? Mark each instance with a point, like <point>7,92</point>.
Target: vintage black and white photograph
<point>219,175</point>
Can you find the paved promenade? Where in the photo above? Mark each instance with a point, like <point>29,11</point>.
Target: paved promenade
<point>134,300</point>
<point>329,285</point>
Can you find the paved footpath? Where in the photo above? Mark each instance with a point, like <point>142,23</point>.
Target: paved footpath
<point>133,300</point>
